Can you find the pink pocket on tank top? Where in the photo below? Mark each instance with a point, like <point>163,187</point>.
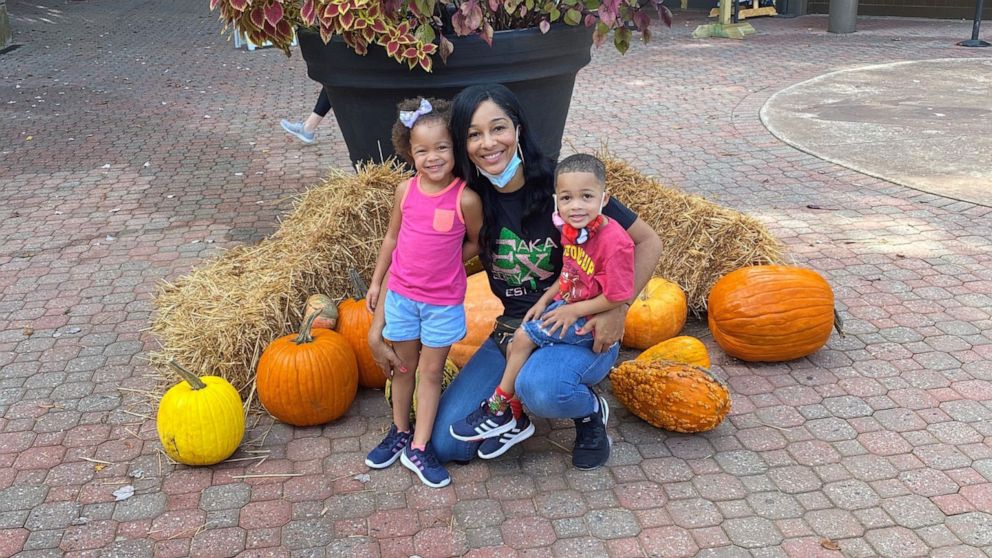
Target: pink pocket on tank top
<point>443,219</point>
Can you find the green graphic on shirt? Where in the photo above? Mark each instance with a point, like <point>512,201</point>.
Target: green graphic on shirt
<point>519,262</point>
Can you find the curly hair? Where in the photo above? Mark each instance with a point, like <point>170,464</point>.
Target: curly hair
<point>440,112</point>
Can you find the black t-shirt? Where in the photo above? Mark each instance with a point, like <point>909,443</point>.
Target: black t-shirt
<point>522,268</point>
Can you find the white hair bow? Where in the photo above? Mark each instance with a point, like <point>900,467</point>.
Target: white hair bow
<point>409,117</point>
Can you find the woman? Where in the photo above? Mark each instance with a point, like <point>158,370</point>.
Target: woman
<point>496,152</point>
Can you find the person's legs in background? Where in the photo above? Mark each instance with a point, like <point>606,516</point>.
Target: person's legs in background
<point>306,130</point>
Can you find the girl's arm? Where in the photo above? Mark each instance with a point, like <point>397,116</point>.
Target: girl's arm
<point>647,251</point>
<point>472,213</point>
<point>382,352</point>
<point>385,258</point>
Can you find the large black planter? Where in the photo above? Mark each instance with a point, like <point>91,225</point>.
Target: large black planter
<point>364,90</point>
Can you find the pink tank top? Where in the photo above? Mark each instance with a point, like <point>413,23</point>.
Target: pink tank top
<point>427,262</point>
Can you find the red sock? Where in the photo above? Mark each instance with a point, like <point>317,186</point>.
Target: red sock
<point>516,407</point>
<point>499,401</point>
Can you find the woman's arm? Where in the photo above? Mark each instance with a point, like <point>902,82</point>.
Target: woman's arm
<point>385,257</point>
<point>608,326</point>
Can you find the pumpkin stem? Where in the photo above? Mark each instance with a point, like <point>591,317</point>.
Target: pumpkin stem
<point>361,289</point>
<point>190,378</point>
<point>838,323</point>
<point>304,336</point>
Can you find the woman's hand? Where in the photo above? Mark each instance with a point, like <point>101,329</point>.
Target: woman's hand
<point>383,353</point>
<point>607,327</point>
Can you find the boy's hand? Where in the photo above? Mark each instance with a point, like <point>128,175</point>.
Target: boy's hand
<point>535,311</point>
<point>371,298</point>
<point>562,317</point>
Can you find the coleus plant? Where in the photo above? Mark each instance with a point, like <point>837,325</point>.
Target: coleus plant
<point>413,31</point>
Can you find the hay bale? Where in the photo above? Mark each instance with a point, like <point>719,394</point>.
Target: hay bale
<point>701,240</point>
<point>220,317</point>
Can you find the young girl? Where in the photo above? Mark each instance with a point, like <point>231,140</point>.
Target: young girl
<point>423,252</point>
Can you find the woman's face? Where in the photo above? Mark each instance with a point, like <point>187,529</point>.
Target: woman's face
<point>492,138</point>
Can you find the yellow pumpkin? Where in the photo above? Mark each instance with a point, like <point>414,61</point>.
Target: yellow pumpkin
<point>481,310</point>
<point>449,373</point>
<point>200,420</point>
<point>658,313</point>
<point>684,349</point>
<point>309,378</point>
<point>671,395</point>
<point>771,313</point>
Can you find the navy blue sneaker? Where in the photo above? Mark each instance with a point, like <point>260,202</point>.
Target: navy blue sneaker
<point>389,449</point>
<point>482,423</point>
<point>426,465</point>
<point>498,445</point>
<point>592,445</point>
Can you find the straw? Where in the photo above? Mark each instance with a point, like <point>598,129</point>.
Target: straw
<point>219,318</point>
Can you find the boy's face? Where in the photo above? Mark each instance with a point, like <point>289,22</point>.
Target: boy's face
<point>580,197</point>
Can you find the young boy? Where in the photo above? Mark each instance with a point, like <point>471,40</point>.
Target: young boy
<point>597,275</point>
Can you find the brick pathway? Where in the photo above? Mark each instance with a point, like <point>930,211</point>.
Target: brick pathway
<point>135,142</point>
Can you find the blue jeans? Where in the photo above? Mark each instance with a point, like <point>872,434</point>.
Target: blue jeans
<point>542,338</point>
<point>554,383</point>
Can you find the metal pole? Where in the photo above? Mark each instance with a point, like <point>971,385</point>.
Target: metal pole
<point>843,16</point>
<point>974,41</point>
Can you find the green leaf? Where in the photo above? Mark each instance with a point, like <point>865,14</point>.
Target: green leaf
<point>425,33</point>
<point>621,40</point>
<point>530,5</point>
<point>573,16</point>
<point>554,14</point>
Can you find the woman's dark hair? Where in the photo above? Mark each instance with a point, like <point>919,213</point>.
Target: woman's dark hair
<point>539,182</point>
<point>440,112</point>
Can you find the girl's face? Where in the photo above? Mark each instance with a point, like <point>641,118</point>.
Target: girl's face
<point>580,197</point>
<point>492,138</point>
<point>433,156</point>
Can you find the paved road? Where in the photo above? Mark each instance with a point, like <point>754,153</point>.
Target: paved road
<point>923,124</point>
<point>131,134</point>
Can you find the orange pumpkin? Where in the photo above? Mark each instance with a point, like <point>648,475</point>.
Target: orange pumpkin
<point>684,349</point>
<point>354,321</point>
<point>771,313</point>
<point>671,395</point>
<point>307,379</point>
<point>481,310</point>
<point>658,313</point>
<point>323,305</point>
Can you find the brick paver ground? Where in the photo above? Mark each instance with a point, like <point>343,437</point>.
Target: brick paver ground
<point>135,142</point>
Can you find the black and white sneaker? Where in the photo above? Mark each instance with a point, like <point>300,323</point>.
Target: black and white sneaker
<point>495,447</point>
<point>482,423</point>
<point>592,445</point>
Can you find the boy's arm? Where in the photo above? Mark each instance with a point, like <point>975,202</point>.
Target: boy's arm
<point>385,258</point>
<point>535,311</point>
<point>471,206</point>
<point>591,306</point>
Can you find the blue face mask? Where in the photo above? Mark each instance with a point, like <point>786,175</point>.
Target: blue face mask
<point>502,179</point>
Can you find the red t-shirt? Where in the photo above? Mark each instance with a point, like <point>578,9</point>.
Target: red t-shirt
<point>603,264</point>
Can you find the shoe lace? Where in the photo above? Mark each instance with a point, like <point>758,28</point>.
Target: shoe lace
<point>587,435</point>
<point>429,459</point>
<point>390,439</point>
<point>480,414</point>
